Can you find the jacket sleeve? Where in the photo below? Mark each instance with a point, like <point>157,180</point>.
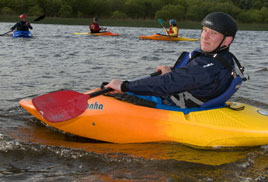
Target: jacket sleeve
<point>187,78</point>
<point>13,28</point>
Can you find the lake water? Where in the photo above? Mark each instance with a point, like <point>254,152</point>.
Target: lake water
<point>56,59</point>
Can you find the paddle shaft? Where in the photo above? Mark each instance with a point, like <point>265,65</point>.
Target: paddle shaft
<point>39,18</point>
<point>97,93</point>
<point>6,33</point>
<point>160,21</point>
<point>102,91</point>
<point>156,73</point>
<point>151,75</point>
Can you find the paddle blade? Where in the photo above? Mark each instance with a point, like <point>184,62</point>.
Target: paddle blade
<point>39,18</point>
<point>160,21</point>
<point>61,105</point>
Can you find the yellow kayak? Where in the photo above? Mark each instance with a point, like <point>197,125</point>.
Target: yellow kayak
<point>109,119</point>
<point>106,33</point>
<point>166,38</point>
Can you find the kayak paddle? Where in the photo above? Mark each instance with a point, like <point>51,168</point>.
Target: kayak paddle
<point>37,19</point>
<point>6,33</point>
<point>66,104</point>
<point>161,22</point>
<point>63,105</point>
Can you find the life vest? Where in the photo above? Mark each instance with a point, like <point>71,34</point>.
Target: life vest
<point>173,31</point>
<point>180,99</point>
<point>94,28</point>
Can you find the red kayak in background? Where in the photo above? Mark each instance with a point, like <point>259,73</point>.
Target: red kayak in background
<point>106,33</point>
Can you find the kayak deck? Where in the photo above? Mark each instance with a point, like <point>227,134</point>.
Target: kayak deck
<point>106,33</point>
<point>26,34</point>
<point>108,119</point>
<point>166,38</point>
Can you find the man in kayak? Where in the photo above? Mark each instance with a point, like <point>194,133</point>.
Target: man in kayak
<point>196,78</point>
<point>94,26</point>
<point>173,30</point>
<point>22,25</point>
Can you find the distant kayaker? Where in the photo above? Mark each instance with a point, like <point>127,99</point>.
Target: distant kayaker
<point>173,30</point>
<point>22,25</point>
<point>197,77</point>
<point>94,26</point>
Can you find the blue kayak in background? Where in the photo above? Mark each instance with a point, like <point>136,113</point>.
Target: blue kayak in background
<point>17,33</point>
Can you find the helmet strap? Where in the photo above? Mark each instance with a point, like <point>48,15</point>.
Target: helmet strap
<point>220,48</point>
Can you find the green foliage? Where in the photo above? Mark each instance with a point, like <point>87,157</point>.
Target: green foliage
<point>35,11</point>
<point>18,5</point>
<point>196,11</point>
<point>264,12</point>
<point>65,11</point>
<point>171,12</point>
<point>118,15</point>
<point>257,4</point>
<point>250,4</point>
<point>81,8</point>
<point>245,4</point>
<point>227,8</point>
<point>50,7</point>
<point>250,16</point>
<point>139,8</point>
<point>249,11</point>
<point>7,11</point>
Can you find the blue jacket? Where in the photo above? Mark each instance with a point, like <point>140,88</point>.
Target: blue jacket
<point>204,77</point>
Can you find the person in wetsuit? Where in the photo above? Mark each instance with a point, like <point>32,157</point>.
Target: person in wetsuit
<point>94,26</point>
<point>203,76</point>
<point>22,25</point>
<point>173,30</point>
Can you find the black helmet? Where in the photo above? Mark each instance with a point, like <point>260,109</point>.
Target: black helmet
<point>95,19</point>
<point>221,22</point>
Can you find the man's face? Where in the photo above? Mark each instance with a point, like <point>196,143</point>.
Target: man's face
<point>210,39</point>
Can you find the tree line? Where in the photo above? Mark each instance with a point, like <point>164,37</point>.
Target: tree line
<point>244,11</point>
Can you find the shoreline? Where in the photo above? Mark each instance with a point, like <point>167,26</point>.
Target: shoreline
<point>127,23</point>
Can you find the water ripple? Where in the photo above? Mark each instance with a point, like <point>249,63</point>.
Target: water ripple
<point>56,59</point>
